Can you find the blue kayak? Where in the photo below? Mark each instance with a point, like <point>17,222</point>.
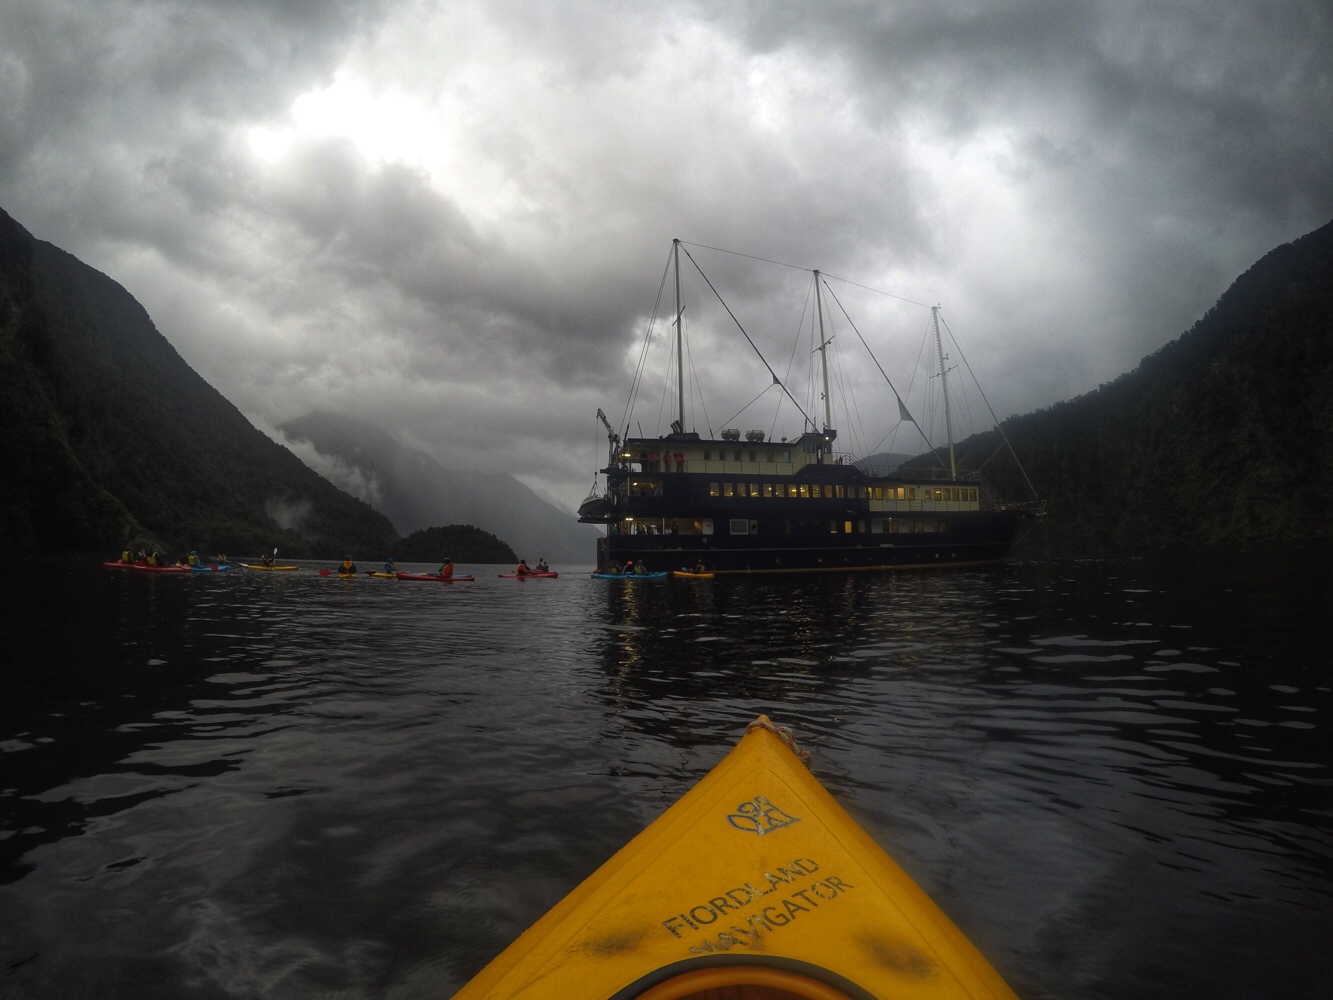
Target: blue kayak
<point>210,568</point>
<point>630,576</point>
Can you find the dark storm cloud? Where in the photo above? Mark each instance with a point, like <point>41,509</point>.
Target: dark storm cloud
<point>1152,118</point>
<point>429,212</point>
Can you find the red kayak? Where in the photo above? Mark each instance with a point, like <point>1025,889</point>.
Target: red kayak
<point>146,569</point>
<point>529,576</point>
<point>433,577</point>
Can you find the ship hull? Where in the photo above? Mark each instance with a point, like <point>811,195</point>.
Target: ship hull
<point>977,540</point>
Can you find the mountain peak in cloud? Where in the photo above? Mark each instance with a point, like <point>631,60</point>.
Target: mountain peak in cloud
<point>415,491</point>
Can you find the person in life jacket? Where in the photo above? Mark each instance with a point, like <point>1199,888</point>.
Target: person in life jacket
<point>522,568</point>
<point>154,559</point>
<point>347,568</point>
<point>542,566</point>
<point>446,568</point>
<point>126,557</point>
<point>192,559</point>
<point>640,568</point>
<point>389,567</point>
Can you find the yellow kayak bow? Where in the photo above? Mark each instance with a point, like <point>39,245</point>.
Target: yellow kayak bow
<point>754,885</point>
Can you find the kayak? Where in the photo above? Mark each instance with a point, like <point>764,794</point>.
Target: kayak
<point>631,576</point>
<point>381,574</point>
<point>689,574</point>
<point>432,576</point>
<point>146,569</point>
<point>210,568</point>
<point>273,569</point>
<point>754,884</point>
<point>534,575</point>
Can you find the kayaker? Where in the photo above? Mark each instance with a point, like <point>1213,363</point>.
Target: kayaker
<point>154,559</point>
<point>446,568</point>
<point>141,558</point>
<point>699,567</point>
<point>522,569</point>
<point>266,560</point>
<point>125,557</point>
<point>348,568</point>
<point>192,559</point>
<point>542,567</point>
<point>640,568</point>
<point>389,567</point>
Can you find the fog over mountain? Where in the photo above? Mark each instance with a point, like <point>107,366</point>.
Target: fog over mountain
<point>415,491</point>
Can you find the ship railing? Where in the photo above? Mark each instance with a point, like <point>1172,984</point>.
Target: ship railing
<point>932,474</point>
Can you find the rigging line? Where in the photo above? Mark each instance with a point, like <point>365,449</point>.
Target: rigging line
<point>877,291</point>
<point>666,388</point>
<point>917,368</point>
<point>847,393</point>
<point>703,404</point>
<point>798,267</point>
<point>800,328</point>
<point>851,405</point>
<point>998,448</point>
<point>737,253</point>
<point>880,367</point>
<point>791,360</point>
<point>998,427</point>
<point>746,406</point>
<point>858,424</point>
<point>643,351</point>
<point>776,381</point>
<point>875,450</point>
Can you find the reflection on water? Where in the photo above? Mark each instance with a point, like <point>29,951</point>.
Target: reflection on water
<point>1115,777</point>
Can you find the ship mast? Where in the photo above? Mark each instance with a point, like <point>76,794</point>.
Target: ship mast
<point>823,356</point>
<point>944,388</point>
<point>680,341</point>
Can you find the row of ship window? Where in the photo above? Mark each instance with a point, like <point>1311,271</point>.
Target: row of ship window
<point>807,491</point>
<point>735,455</point>
<point>748,526</point>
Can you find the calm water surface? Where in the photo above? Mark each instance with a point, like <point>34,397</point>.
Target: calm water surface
<point>1116,777</point>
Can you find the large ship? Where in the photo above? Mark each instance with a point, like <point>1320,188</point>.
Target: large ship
<point>743,503</point>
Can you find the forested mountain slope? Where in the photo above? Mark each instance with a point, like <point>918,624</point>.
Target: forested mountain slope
<point>1224,436</point>
<point>113,439</point>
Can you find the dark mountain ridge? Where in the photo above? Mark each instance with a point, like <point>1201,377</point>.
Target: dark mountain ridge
<point>114,440</point>
<point>1223,436</point>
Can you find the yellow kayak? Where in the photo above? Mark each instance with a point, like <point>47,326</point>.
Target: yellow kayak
<point>755,885</point>
<point>272,569</point>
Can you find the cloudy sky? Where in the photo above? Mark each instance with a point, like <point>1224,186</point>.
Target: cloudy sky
<point>453,218</point>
